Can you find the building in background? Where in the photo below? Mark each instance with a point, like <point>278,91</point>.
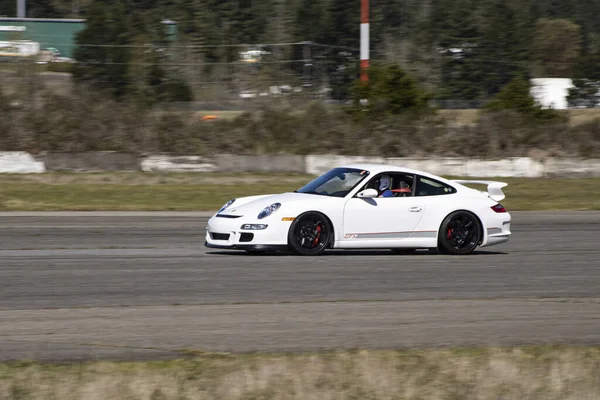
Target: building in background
<point>28,34</point>
<point>32,36</point>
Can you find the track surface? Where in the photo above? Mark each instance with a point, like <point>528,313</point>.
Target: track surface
<point>127,285</point>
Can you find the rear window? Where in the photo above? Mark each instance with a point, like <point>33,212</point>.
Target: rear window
<point>431,187</point>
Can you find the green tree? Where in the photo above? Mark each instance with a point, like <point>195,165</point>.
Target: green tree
<point>516,96</point>
<point>504,47</point>
<point>556,46</point>
<point>102,50</point>
<point>8,8</point>
<point>41,9</point>
<point>310,22</point>
<point>586,83</point>
<point>341,58</point>
<point>389,91</point>
<point>456,38</point>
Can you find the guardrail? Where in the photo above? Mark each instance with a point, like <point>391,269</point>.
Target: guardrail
<point>21,162</point>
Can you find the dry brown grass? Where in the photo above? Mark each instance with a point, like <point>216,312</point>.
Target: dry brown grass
<point>470,117</point>
<point>521,373</point>
<point>582,116</point>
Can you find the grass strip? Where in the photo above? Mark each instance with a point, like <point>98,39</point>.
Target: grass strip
<point>537,372</point>
<point>198,192</point>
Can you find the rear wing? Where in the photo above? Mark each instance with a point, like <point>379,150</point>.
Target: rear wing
<point>494,188</point>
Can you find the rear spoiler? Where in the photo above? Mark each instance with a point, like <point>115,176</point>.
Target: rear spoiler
<point>494,188</point>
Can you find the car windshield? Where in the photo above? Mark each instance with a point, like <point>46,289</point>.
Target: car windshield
<point>337,183</point>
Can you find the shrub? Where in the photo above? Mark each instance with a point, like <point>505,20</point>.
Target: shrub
<point>516,96</point>
<point>90,120</point>
<point>65,67</point>
<point>389,91</point>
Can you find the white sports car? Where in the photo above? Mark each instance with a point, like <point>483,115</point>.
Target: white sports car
<point>366,207</point>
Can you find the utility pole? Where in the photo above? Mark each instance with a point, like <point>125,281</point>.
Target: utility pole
<point>364,40</point>
<point>21,8</point>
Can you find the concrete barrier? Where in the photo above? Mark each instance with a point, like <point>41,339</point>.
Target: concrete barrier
<point>318,164</point>
<point>260,163</point>
<point>572,168</point>
<point>95,161</point>
<point>508,167</point>
<point>438,166</point>
<point>516,167</point>
<point>19,162</point>
<point>165,163</point>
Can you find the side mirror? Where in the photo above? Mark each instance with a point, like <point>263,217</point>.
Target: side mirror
<point>367,194</point>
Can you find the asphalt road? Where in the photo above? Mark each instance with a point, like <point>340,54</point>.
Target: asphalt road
<point>128,285</point>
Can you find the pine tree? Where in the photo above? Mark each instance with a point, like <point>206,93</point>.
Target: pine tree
<point>310,22</point>
<point>516,96</point>
<point>504,46</point>
<point>41,9</point>
<point>342,34</point>
<point>102,49</point>
<point>8,8</point>
<point>586,83</point>
<point>457,38</point>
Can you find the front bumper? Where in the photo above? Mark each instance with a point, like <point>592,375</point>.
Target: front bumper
<point>257,247</point>
<point>227,233</point>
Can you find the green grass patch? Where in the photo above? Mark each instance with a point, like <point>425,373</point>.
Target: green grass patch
<point>536,194</point>
<point>198,192</point>
<point>544,373</point>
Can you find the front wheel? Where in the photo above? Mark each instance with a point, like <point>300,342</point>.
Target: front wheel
<point>460,233</point>
<point>310,234</point>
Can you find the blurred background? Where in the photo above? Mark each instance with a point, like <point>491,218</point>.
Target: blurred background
<point>467,77</point>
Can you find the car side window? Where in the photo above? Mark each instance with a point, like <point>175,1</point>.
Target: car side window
<point>431,187</point>
<point>401,184</point>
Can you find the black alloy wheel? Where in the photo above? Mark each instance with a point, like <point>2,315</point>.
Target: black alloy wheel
<point>460,233</point>
<point>310,234</point>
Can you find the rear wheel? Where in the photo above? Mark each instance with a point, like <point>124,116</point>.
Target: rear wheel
<point>310,234</point>
<point>460,233</point>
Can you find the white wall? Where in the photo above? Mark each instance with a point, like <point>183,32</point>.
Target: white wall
<point>19,162</point>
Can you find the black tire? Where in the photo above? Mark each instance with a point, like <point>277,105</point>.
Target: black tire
<point>310,234</point>
<point>459,234</point>
<point>403,251</point>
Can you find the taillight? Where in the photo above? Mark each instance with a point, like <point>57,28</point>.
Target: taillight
<point>499,208</point>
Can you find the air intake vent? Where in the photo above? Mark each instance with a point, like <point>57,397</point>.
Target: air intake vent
<point>246,237</point>
<point>220,236</point>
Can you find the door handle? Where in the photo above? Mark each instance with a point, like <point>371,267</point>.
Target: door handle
<point>415,209</point>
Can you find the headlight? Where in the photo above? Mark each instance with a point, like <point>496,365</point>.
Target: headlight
<point>269,210</point>
<point>254,227</point>
<point>230,202</point>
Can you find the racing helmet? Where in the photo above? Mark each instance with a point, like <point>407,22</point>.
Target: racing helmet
<point>384,182</point>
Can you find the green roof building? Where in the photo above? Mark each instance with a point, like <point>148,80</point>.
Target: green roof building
<point>49,33</point>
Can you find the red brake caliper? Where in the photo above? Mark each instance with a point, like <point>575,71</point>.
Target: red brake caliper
<point>449,234</point>
<point>314,243</point>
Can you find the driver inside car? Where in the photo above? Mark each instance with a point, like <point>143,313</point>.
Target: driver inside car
<point>384,186</point>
